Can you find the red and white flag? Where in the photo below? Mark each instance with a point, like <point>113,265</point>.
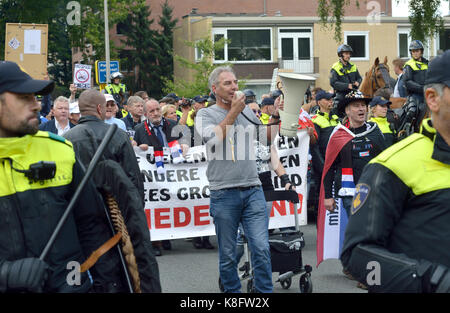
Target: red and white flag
<point>331,225</point>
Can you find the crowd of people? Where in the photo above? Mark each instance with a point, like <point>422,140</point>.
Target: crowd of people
<point>372,180</point>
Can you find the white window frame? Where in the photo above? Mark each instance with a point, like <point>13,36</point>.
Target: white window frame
<point>221,31</point>
<point>366,42</point>
<point>427,50</point>
<point>311,39</point>
<point>224,31</point>
<point>198,54</point>
<point>403,31</point>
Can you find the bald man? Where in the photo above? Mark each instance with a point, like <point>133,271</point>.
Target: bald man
<point>86,137</point>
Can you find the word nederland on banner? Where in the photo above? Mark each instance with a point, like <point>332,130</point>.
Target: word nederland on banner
<point>177,202</point>
<point>331,233</point>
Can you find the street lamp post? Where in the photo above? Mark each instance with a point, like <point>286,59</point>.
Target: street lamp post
<point>108,80</point>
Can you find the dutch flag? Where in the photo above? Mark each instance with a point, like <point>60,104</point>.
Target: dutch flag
<point>331,225</point>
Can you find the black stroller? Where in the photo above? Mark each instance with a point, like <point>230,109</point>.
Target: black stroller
<point>285,251</point>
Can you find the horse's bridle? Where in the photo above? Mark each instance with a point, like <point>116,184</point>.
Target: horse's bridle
<point>374,76</point>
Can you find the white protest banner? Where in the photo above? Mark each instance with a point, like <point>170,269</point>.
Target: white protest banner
<point>293,153</point>
<point>82,76</point>
<point>177,203</point>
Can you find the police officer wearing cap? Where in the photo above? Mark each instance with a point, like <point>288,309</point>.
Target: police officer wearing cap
<point>344,75</point>
<point>403,199</point>
<point>378,108</point>
<point>324,123</point>
<point>38,176</point>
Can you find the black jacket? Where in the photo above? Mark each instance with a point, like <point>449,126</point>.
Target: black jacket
<point>30,212</point>
<point>171,130</point>
<point>401,215</point>
<point>88,134</point>
<point>363,149</point>
<point>415,75</point>
<point>132,211</point>
<point>50,126</point>
<point>347,75</point>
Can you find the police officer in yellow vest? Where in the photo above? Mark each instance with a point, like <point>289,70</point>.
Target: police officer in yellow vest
<point>398,235</point>
<point>344,75</point>
<point>118,91</point>
<point>378,113</point>
<point>324,123</point>
<point>38,176</point>
<point>415,70</point>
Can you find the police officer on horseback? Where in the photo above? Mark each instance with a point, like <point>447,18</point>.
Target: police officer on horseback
<point>415,71</point>
<point>344,75</point>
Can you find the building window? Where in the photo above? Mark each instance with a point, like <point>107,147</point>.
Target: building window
<point>198,53</point>
<point>219,55</point>
<point>244,45</point>
<point>304,49</point>
<point>444,40</point>
<point>126,61</point>
<point>123,28</point>
<point>359,41</point>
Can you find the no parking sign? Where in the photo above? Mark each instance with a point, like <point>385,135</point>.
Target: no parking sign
<point>82,76</point>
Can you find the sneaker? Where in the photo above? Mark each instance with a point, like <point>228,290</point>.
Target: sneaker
<point>197,242</point>
<point>347,274</point>
<point>207,244</point>
<point>362,286</point>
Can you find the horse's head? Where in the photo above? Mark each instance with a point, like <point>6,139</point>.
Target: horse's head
<point>377,77</point>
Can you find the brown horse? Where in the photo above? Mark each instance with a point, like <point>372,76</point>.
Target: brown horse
<point>378,78</point>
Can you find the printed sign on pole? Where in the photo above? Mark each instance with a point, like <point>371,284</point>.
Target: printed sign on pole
<point>82,76</point>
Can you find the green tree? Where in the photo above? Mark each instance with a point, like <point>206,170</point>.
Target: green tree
<point>165,42</point>
<point>89,36</point>
<point>141,48</point>
<point>425,21</point>
<point>202,69</point>
<point>54,14</point>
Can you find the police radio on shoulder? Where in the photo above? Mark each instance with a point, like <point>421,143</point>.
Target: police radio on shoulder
<point>41,170</point>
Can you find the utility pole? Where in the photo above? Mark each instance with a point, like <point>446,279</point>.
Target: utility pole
<point>108,80</point>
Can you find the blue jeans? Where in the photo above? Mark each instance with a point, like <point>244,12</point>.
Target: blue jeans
<point>229,207</point>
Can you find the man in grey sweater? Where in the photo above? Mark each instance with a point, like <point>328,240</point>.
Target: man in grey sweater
<point>228,128</point>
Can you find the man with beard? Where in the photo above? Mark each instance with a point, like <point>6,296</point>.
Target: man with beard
<point>38,176</point>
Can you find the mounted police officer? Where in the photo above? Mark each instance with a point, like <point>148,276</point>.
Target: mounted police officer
<point>400,212</point>
<point>118,91</point>
<point>415,71</point>
<point>344,75</point>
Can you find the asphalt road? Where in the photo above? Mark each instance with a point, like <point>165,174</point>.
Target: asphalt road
<point>185,269</point>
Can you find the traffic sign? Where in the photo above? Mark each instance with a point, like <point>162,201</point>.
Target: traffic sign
<point>82,76</point>
<point>100,70</point>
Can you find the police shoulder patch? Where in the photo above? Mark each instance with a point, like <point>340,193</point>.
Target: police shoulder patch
<point>361,194</point>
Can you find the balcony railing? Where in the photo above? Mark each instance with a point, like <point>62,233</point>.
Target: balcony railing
<point>304,66</point>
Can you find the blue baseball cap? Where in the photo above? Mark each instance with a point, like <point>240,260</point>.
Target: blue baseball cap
<point>322,94</point>
<point>173,96</point>
<point>379,100</point>
<point>200,99</point>
<point>438,70</point>
<point>14,79</point>
<point>267,101</point>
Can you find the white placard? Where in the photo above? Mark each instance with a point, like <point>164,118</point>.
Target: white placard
<point>32,41</point>
<point>82,76</point>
